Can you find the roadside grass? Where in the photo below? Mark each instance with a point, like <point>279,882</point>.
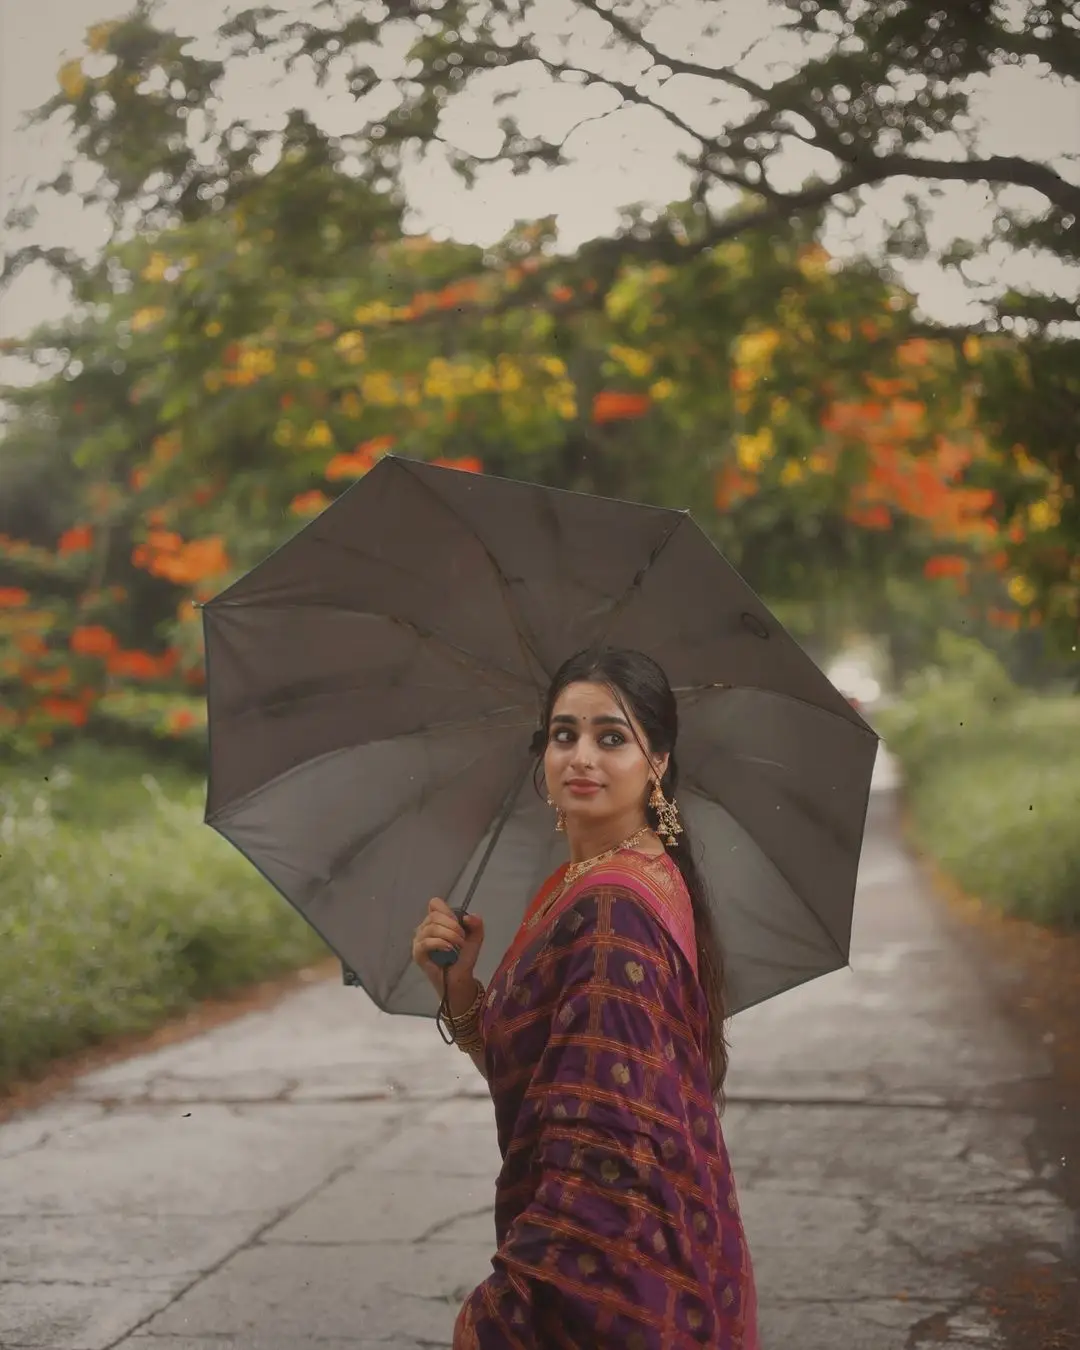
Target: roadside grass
<point>992,777</point>
<point>119,908</point>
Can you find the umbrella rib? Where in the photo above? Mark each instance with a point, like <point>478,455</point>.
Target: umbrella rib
<point>801,803</point>
<point>861,725</point>
<point>771,861</point>
<point>463,657</point>
<point>506,811</point>
<point>634,588</point>
<point>517,621</point>
<point>438,728</point>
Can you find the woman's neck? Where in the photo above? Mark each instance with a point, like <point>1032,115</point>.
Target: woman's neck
<point>588,841</point>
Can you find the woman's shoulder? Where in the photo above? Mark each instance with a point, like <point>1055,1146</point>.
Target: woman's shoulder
<point>644,892</point>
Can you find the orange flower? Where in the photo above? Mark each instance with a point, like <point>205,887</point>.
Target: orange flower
<point>179,721</point>
<point>92,640</point>
<point>134,665</point>
<point>13,597</point>
<point>945,565</point>
<point>913,352</point>
<point>309,503</point>
<point>875,517</point>
<point>611,406</point>
<point>76,540</point>
<point>469,464</point>
<point>164,541</point>
<point>31,644</point>
<point>64,710</point>
<point>139,477</point>
<point>348,466</point>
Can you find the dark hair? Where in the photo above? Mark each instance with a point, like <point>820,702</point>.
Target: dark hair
<point>641,687</point>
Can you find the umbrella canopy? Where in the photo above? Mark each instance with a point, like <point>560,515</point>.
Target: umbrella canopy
<point>373,686</point>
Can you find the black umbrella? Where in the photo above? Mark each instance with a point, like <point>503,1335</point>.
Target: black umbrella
<point>374,684</point>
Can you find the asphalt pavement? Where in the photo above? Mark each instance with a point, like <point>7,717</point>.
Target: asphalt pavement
<point>321,1175</point>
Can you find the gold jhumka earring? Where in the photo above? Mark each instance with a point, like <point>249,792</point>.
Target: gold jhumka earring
<point>560,815</point>
<point>667,816</point>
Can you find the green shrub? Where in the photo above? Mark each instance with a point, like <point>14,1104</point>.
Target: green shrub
<point>993,782</point>
<point>120,908</point>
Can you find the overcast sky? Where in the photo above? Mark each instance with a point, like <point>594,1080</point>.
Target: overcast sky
<point>626,158</point>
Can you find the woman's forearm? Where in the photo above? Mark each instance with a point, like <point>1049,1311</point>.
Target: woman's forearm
<point>461,1000</point>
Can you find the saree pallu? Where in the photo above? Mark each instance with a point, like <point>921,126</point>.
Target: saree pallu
<point>617,1223</point>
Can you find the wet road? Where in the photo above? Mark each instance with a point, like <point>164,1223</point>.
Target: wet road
<point>321,1175</point>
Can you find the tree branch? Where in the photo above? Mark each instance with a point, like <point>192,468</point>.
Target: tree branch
<point>727,74</point>
<point>995,169</point>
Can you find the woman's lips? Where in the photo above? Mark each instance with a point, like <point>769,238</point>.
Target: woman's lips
<point>581,788</point>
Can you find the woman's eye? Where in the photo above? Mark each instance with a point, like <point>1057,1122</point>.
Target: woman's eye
<point>614,739</point>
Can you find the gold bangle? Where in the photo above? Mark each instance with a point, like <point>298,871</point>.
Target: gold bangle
<point>472,1013</point>
<point>465,1027</point>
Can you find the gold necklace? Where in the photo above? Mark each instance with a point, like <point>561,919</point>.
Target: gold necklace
<point>579,869</point>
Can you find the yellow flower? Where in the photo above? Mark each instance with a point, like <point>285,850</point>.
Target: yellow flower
<point>1043,515</point>
<point>156,268</point>
<point>319,436</point>
<point>1024,462</point>
<point>377,387</point>
<point>637,363</point>
<point>792,472</point>
<point>813,262</point>
<point>351,346</point>
<point>377,312</point>
<point>972,348</point>
<point>552,365</point>
<point>753,451</point>
<point>351,405</point>
<point>510,376</point>
<point>1021,591</point>
<point>819,463</point>
<point>285,433</point>
<point>146,318</point>
<point>305,368</point>
<point>661,390</point>
<point>71,79</point>
<point>257,361</point>
<point>756,349</point>
<point>97,37</point>
<point>212,329</point>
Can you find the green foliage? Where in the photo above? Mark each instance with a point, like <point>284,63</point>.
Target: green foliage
<point>993,781</point>
<point>120,909</point>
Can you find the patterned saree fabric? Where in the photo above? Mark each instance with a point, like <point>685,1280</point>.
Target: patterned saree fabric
<point>616,1218</point>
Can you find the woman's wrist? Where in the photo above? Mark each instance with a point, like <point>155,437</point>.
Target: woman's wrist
<point>462,996</point>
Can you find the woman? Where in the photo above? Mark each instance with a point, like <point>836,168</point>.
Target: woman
<point>602,1039</point>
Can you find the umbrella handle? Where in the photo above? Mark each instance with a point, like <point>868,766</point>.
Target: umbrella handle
<point>444,960</point>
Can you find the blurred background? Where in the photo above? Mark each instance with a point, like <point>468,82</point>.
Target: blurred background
<point>807,269</point>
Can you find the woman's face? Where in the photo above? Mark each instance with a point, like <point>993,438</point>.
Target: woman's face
<point>594,765</point>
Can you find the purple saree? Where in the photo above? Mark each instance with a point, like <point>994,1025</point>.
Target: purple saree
<point>616,1217</point>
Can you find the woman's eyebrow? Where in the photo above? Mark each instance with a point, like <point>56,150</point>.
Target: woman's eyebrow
<point>604,720</point>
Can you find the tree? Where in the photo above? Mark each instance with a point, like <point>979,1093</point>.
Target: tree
<point>870,89</point>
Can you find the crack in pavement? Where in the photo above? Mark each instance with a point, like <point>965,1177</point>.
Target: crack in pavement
<point>285,1212</point>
